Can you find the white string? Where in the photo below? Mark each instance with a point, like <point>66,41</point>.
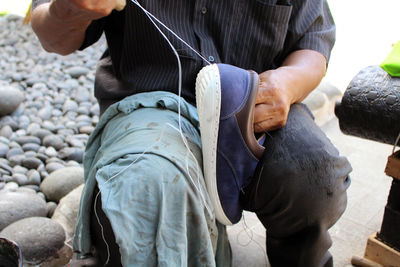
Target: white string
<point>151,16</point>
<point>250,234</point>
<point>171,31</point>
<point>189,152</point>
<point>113,177</point>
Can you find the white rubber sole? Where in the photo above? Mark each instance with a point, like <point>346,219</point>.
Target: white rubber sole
<point>208,101</point>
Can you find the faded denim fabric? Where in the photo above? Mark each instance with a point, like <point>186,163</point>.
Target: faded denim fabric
<point>150,185</point>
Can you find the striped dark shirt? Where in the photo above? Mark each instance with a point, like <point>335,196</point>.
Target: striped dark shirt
<point>252,34</point>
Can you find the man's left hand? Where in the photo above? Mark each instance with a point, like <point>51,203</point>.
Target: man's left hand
<point>299,74</point>
<point>272,103</point>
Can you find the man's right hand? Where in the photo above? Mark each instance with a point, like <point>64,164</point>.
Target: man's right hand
<point>61,24</point>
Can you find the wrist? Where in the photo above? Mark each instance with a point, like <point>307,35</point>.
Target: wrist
<point>282,77</point>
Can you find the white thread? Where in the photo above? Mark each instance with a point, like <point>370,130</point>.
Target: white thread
<point>151,16</point>
<point>111,178</point>
<point>250,233</point>
<point>171,31</point>
<point>197,187</point>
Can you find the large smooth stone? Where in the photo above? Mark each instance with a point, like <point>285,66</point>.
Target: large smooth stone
<point>10,98</point>
<point>15,206</point>
<point>62,181</point>
<point>66,212</point>
<point>39,238</point>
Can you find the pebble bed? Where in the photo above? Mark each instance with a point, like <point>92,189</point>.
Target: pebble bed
<point>54,113</point>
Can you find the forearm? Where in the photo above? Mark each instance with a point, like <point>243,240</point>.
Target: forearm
<point>300,73</point>
<point>62,36</point>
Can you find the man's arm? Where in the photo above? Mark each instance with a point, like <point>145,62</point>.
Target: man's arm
<point>309,40</point>
<point>299,74</point>
<point>61,24</point>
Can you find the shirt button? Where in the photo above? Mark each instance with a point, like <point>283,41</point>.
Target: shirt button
<point>211,59</point>
<point>204,10</point>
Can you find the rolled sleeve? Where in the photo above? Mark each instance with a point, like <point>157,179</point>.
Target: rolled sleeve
<point>311,27</point>
<point>93,33</point>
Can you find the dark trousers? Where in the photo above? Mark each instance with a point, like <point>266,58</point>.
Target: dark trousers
<point>299,192</point>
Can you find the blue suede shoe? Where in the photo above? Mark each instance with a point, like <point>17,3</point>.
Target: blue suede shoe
<point>225,98</point>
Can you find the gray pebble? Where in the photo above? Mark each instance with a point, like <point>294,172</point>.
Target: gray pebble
<point>55,159</point>
<point>41,133</point>
<point>26,189</point>
<point>24,121</point>
<point>48,236</point>
<point>6,167</point>
<point>41,195</point>
<point>49,126</point>
<point>45,113</point>
<point>3,149</point>
<point>72,163</point>
<point>83,110</point>
<point>56,113</point>
<point>16,160</point>
<point>43,157</point>
<point>32,128</point>
<point>61,182</point>
<point>69,105</point>
<point>53,141</point>
<point>51,152</point>
<point>6,178</point>
<point>82,94</point>
<point>95,110</point>
<point>20,133</point>
<point>10,98</point>
<point>20,178</point>
<point>7,120</point>
<point>31,162</point>
<point>74,142</point>
<point>71,153</point>
<point>30,154</point>
<point>10,186</point>
<point>51,207</point>
<point>19,169</point>
<point>33,177</point>
<point>31,147</point>
<point>4,140</point>
<point>14,151</point>
<point>28,139</point>
<point>14,144</point>
<point>66,132</point>
<point>6,131</point>
<point>3,172</point>
<point>32,187</point>
<point>77,71</point>
<point>53,166</point>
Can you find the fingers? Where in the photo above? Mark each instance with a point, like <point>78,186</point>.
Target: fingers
<point>272,103</point>
<point>268,117</point>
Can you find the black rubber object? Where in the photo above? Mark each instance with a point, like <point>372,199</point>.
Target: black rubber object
<point>390,230</point>
<point>370,107</point>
